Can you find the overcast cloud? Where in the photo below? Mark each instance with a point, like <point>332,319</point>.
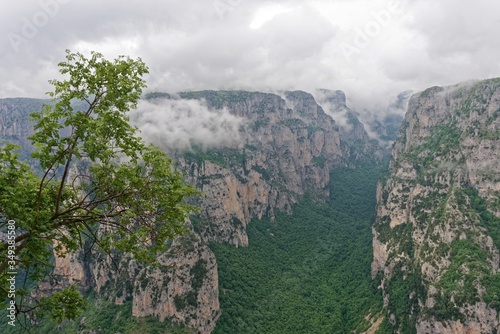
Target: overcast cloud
<point>372,50</point>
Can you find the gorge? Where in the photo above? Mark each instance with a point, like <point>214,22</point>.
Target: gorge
<point>305,226</point>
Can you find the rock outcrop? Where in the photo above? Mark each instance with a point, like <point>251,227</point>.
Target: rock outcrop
<point>184,286</point>
<point>288,148</point>
<point>436,237</point>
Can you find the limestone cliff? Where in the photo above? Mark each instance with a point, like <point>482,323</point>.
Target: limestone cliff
<point>355,140</point>
<point>289,147</point>
<point>184,287</point>
<point>15,125</point>
<point>436,237</point>
<point>14,118</point>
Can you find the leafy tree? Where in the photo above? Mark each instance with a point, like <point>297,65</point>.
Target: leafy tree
<point>99,182</point>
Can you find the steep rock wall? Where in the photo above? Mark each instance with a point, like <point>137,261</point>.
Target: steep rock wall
<point>436,235</point>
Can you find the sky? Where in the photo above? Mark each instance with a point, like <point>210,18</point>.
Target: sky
<point>372,50</point>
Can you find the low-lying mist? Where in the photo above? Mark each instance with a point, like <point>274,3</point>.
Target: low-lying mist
<point>181,124</point>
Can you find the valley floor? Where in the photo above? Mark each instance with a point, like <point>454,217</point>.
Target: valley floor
<point>308,272</point>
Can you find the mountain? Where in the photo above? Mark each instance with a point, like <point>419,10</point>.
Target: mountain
<point>437,232</point>
<point>292,217</point>
<point>288,147</point>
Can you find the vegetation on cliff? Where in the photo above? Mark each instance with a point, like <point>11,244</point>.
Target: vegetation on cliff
<point>438,218</point>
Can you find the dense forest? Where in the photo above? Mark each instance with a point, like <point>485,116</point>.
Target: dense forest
<point>308,272</point>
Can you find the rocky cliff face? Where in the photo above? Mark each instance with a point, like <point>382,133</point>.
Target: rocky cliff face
<point>437,234</point>
<point>14,118</point>
<point>288,147</point>
<point>184,287</point>
<point>15,125</point>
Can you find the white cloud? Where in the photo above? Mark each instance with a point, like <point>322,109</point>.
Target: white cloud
<point>180,124</point>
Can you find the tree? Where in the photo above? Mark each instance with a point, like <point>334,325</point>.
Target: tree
<point>99,182</point>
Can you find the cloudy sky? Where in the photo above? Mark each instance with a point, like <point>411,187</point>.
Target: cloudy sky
<point>370,49</point>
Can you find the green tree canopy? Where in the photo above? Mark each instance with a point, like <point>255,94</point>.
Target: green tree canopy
<point>99,182</point>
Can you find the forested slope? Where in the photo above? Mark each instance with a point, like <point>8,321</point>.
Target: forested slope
<point>308,272</point>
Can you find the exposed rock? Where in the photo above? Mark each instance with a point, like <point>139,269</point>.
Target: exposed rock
<point>481,319</point>
<point>289,147</point>
<point>428,213</point>
<point>184,287</point>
